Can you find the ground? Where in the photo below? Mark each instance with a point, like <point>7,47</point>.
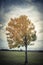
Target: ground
<point>18,58</point>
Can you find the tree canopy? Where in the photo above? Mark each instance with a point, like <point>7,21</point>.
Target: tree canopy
<point>17,29</point>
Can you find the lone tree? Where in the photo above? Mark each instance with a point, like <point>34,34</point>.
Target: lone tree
<point>21,31</point>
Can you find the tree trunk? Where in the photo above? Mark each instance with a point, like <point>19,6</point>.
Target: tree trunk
<point>26,60</point>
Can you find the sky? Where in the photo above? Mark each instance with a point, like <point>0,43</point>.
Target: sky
<point>14,8</point>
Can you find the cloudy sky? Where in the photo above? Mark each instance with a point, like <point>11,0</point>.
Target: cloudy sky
<point>14,8</point>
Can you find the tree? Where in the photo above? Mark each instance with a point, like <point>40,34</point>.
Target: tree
<point>21,31</point>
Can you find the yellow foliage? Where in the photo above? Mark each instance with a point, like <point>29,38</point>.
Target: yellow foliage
<point>19,27</point>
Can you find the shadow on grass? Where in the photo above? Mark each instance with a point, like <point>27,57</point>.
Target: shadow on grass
<point>15,63</point>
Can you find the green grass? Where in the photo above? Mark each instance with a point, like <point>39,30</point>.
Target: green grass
<point>18,58</point>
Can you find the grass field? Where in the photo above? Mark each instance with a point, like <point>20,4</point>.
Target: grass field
<point>18,58</point>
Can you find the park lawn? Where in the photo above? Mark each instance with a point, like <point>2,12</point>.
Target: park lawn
<point>18,58</point>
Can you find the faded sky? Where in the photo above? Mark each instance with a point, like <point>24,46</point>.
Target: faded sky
<point>14,8</point>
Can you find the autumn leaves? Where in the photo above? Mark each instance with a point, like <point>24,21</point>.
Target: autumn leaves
<point>18,28</point>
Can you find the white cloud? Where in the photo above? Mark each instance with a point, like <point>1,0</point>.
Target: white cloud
<point>1,25</point>
<point>3,40</point>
